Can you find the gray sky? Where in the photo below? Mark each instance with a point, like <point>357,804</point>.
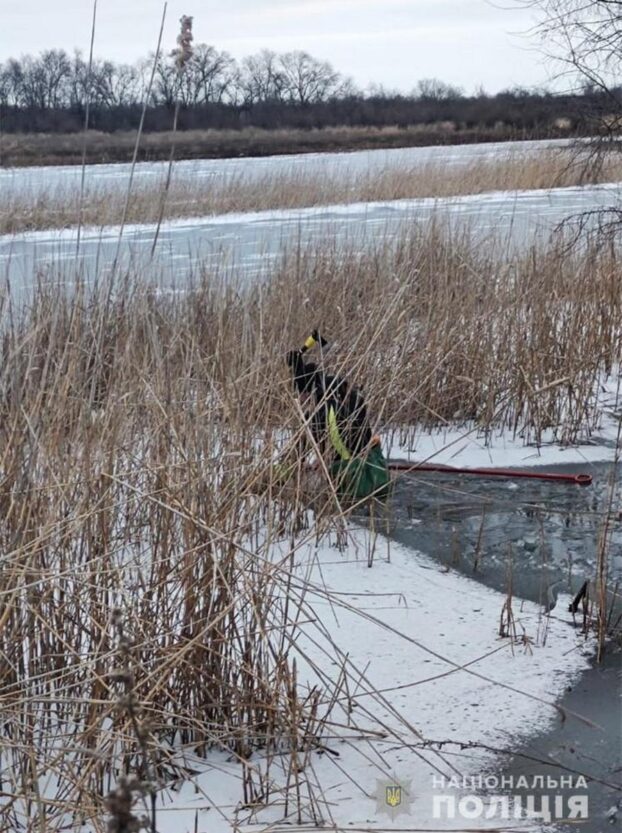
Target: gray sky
<point>388,42</point>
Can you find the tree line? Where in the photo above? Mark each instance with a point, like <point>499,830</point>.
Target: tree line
<point>49,93</point>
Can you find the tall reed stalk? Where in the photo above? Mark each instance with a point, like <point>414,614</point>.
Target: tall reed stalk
<point>141,124</point>
<point>182,54</point>
<point>87,110</point>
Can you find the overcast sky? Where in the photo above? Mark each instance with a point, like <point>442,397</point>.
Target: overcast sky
<point>388,42</point>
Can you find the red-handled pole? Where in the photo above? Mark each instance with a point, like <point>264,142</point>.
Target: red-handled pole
<point>577,479</point>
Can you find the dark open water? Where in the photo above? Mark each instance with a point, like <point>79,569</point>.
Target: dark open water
<point>550,533</point>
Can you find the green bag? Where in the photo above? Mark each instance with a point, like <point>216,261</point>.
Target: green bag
<point>362,477</point>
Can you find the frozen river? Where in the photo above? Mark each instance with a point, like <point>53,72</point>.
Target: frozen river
<point>37,181</point>
<point>248,243</point>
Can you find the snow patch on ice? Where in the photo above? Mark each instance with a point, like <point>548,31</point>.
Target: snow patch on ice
<point>469,447</point>
<point>423,645</point>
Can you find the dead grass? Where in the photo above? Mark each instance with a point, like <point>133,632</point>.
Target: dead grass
<point>192,197</point>
<point>25,149</point>
<point>134,431</point>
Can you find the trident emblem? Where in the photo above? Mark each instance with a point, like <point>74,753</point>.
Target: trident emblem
<point>393,796</point>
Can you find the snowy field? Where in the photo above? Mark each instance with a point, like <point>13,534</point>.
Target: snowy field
<point>470,449</point>
<point>249,243</point>
<point>435,695</point>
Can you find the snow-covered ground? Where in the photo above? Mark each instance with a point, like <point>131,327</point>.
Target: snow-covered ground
<point>424,646</point>
<point>435,696</point>
<point>423,643</point>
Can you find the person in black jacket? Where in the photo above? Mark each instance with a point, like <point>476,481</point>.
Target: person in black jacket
<point>340,427</point>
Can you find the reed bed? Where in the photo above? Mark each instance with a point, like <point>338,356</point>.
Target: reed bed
<point>145,609</point>
<point>142,613</point>
<point>23,149</point>
<point>193,197</point>
<point>466,333</point>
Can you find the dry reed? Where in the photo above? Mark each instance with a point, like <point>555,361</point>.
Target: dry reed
<point>188,196</point>
<point>136,476</point>
<point>24,149</point>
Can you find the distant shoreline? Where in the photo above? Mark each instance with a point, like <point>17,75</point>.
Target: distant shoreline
<point>48,149</point>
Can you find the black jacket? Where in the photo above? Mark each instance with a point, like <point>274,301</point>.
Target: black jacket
<point>332,392</point>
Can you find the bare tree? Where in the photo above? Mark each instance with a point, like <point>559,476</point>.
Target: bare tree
<point>306,79</point>
<point>79,81</point>
<point>31,88</point>
<point>583,39</point>
<point>213,72</point>
<point>432,89</point>
<point>584,35</point>
<point>208,77</point>
<point>55,74</point>
<point>42,83</point>
<point>346,88</point>
<point>260,78</point>
<point>117,85</point>
<point>166,88</point>
<point>5,86</point>
<point>14,76</point>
